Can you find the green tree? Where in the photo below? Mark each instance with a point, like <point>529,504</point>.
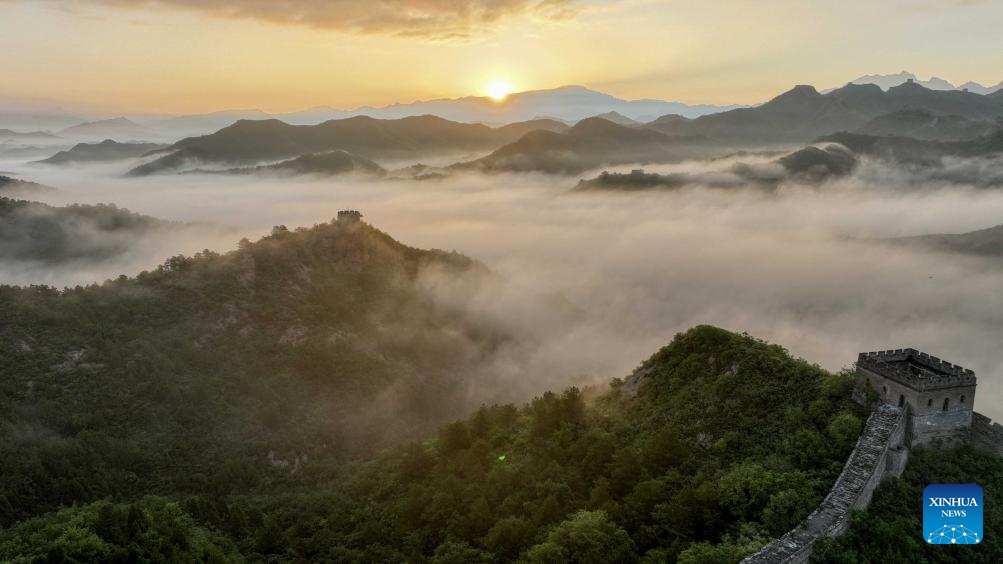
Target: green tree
<point>587,537</point>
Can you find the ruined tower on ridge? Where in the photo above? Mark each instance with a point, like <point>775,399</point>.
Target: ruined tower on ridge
<point>938,396</point>
<point>349,216</point>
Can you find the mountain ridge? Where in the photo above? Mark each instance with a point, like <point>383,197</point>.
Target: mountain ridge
<point>593,142</point>
<point>886,81</point>
<point>802,113</point>
<point>107,150</point>
<point>252,141</point>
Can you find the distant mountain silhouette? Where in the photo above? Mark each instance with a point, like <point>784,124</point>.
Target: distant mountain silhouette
<point>320,164</point>
<point>115,128</point>
<point>917,151</point>
<point>802,113</point>
<point>975,162</point>
<point>569,103</point>
<point>14,187</point>
<point>107,150</point>
<point>25,135</point>
<point>809,165</point>
<point>979,89</point>
<point>619,119</point>
<point>200,124</point>
<point>984,242</point>
<point>924,124</point>
<point>591,143</point>
<point>39,233</point>
<point>886,81</point>
<point>250,142</point>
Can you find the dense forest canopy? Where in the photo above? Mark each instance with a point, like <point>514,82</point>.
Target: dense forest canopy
<point>214,372</point>
<point>39,233</point>
<point>718,443</point>
<point>230,407</point>
<point>891,530</point>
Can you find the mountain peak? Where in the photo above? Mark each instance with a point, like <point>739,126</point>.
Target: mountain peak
<point>801,91</point>
<point>887,81</point>
<point>909,85</point>
<point>596,124</point>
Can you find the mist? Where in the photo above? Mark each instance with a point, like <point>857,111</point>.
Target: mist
<point>593,283</point>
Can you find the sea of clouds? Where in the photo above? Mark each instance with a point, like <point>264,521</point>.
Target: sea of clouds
<point>592,283</point>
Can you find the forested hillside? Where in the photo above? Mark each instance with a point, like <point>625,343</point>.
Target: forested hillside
<point>215,373</point>
<point>37,233</point>
<point>716,444</point>
<point>891,530</point>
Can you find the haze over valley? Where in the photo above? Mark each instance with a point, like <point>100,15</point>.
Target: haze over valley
<point>523,281</point>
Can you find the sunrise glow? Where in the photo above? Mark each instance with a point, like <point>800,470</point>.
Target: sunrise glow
<point>498,90</point>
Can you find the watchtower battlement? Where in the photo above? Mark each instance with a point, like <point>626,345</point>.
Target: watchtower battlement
<point>923,400</point>
<point>916,369</point>
<point>349,216</point>
<point>937,395</point>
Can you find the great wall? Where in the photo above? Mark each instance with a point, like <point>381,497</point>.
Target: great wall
<point>921,400</point>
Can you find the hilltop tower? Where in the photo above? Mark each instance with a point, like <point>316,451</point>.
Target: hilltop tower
<point>349,216</point>
<point>938,396</point>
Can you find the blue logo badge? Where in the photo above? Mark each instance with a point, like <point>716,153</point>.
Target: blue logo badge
<point>952,514</point>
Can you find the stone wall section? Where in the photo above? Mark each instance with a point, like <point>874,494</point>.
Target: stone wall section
<point>986,435</point>
<point>881,452</point>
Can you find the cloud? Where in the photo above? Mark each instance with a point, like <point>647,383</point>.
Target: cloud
<point>430,19</point>
<point>592,283</point>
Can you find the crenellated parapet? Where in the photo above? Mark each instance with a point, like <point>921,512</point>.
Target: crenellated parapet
<point>916,369</point>
<point>349,216</point>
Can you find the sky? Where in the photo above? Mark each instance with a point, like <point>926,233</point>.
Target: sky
<point>188,56</point>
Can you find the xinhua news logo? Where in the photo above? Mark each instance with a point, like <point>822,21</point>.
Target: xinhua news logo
<point>952,514</point>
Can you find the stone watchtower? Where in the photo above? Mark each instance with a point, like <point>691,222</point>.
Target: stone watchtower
<point>349,216</point>
<point>938,396</point>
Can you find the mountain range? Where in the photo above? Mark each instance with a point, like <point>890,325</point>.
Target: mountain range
<point>809,165</point>
<point>928,125</point>
<point>912,151</point>
<point>796,117</point>
<point>250,142</point>
<point>107,150</point>
<point>119,128</point>
<point>568,103</point>
<point>331,163</point>
<point>591,143</point>
<point>8,134</point>
<point>886,81</point>
<point>802,113</point>
<point>983,242</point>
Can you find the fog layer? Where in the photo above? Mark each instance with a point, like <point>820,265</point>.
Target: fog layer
<point>593,283</point>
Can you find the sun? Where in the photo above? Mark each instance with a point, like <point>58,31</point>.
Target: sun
<point>498,90</point>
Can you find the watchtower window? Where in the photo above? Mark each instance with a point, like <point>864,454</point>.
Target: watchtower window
<point>946,402</point>
<point>901,401</point>
<point>962,399</point>
<point>884,390</point>
<point>929,402</point>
